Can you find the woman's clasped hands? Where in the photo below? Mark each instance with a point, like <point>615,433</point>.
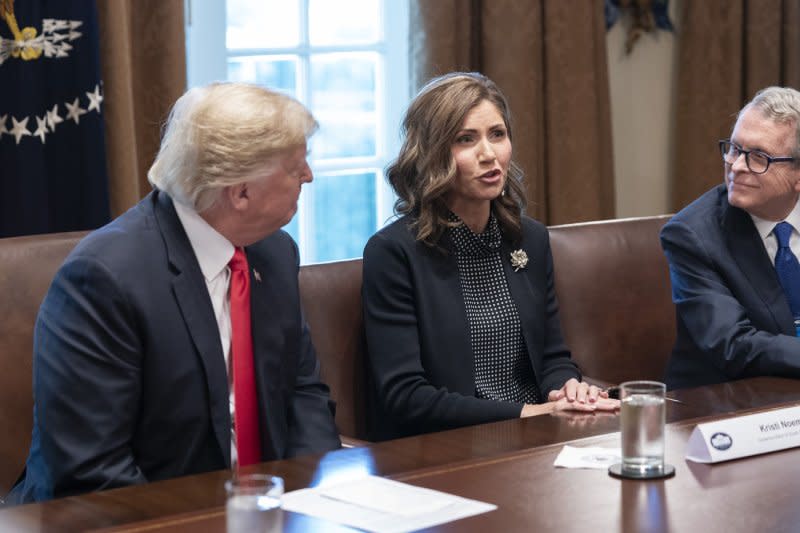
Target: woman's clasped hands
<point>574,395</point>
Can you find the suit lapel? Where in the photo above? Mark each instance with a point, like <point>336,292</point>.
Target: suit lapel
<point>747,249</point>
<point>519,284</point>
<point>268,323</point>
<point>455,344</point>
<point>192,297</point>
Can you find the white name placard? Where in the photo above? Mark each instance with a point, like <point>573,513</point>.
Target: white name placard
<point>743,436</point>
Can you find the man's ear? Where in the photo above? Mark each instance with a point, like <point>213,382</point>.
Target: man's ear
<point>238,195</point>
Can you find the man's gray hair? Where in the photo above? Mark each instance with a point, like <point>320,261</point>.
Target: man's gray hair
<point>781,104</point>
<point>218,135</point>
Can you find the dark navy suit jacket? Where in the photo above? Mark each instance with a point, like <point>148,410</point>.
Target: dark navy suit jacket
<point>418,335</point>
<point>733,318</point>
<point>130,383</point>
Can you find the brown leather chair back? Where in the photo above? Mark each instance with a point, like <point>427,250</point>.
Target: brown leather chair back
<point>611,279</point>
<point>613,287</point>
<point>27,265</point>
<point>331,298</point>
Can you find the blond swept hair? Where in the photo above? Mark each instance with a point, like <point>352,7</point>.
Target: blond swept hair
<point>782,105</point>
<point>218,135</point>
<point>425,170</point>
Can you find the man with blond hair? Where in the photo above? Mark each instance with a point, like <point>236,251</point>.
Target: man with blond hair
<point>733,254</point>
<point>171,341</point>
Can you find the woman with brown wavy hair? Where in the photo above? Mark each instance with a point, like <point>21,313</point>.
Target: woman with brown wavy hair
<point>460,311</point>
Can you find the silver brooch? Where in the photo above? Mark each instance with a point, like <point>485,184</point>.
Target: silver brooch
<point>519,259</point>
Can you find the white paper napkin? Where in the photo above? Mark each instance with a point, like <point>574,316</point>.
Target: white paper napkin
<point>595,457</point>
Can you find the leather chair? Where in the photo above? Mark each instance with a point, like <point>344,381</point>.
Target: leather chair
<point>27,266</point>
<point>613,287</point>
<point>331,299</point>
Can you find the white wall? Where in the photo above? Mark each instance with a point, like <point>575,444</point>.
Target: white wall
<point>642,116</point>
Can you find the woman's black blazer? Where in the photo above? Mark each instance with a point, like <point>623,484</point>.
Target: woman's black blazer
<point>417,333</point>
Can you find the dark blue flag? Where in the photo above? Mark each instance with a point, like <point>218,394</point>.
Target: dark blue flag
<point>52,154</point>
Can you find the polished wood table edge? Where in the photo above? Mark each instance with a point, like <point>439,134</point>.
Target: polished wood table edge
<point>153,524</point>
<point>733,414</point>
<point>402,459</point>
<point>587,441</point>
<point>455,466</point>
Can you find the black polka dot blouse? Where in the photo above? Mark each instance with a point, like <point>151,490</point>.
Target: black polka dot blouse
<point>502,367</point>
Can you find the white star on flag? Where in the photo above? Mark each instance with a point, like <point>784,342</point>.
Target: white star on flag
<point>61,51</point>
<point>19,129</point>
<point>41,127</point>
<point>49,49</point>
<point>51,25</point>
<point>94,99</point>
<point>74,111</point>
<point>3,128</point>
<point>53,118</point>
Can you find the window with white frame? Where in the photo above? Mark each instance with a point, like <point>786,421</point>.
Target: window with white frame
<point>344,59</point>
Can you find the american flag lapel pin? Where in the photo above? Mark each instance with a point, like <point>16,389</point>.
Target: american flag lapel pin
<point>257,275</point>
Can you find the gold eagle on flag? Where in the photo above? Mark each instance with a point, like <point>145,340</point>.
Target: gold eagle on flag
<point>28,43</point>
<point>20,36</point>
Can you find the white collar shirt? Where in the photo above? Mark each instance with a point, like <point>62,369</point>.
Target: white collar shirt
<point>213,253</point>
<point>765,228</point>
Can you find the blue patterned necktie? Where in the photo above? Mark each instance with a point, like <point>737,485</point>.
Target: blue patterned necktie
<point>787,267</point>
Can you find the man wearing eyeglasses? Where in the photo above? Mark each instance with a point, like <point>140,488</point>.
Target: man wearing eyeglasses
<point>733,254</point>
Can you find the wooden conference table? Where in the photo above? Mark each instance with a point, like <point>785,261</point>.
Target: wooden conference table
<point>509,464</point>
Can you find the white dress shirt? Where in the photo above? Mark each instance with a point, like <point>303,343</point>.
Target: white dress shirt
<point>765,228</point>
<point>214,252</point>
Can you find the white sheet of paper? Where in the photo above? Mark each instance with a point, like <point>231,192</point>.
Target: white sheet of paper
<point>382,505</point>
<point>389,496</point>
<point>591,457</point>
<point>743,436</point>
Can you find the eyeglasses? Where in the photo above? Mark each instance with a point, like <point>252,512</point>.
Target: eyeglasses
<point>758,162</point>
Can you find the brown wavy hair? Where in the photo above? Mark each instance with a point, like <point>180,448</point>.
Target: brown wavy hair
<point>425,170</point>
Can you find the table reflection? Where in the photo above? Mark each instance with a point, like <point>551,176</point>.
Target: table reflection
<point>644,506</point>
<point>334,468</point>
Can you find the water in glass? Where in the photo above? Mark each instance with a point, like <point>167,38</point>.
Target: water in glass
<point>642,417</point>
<point>253,512</point>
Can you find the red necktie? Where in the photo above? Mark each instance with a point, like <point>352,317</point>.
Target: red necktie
<point>248,440</point>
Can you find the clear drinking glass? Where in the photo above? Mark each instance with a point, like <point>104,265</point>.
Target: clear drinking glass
<point>254,503</point>
<point>642,419</point>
